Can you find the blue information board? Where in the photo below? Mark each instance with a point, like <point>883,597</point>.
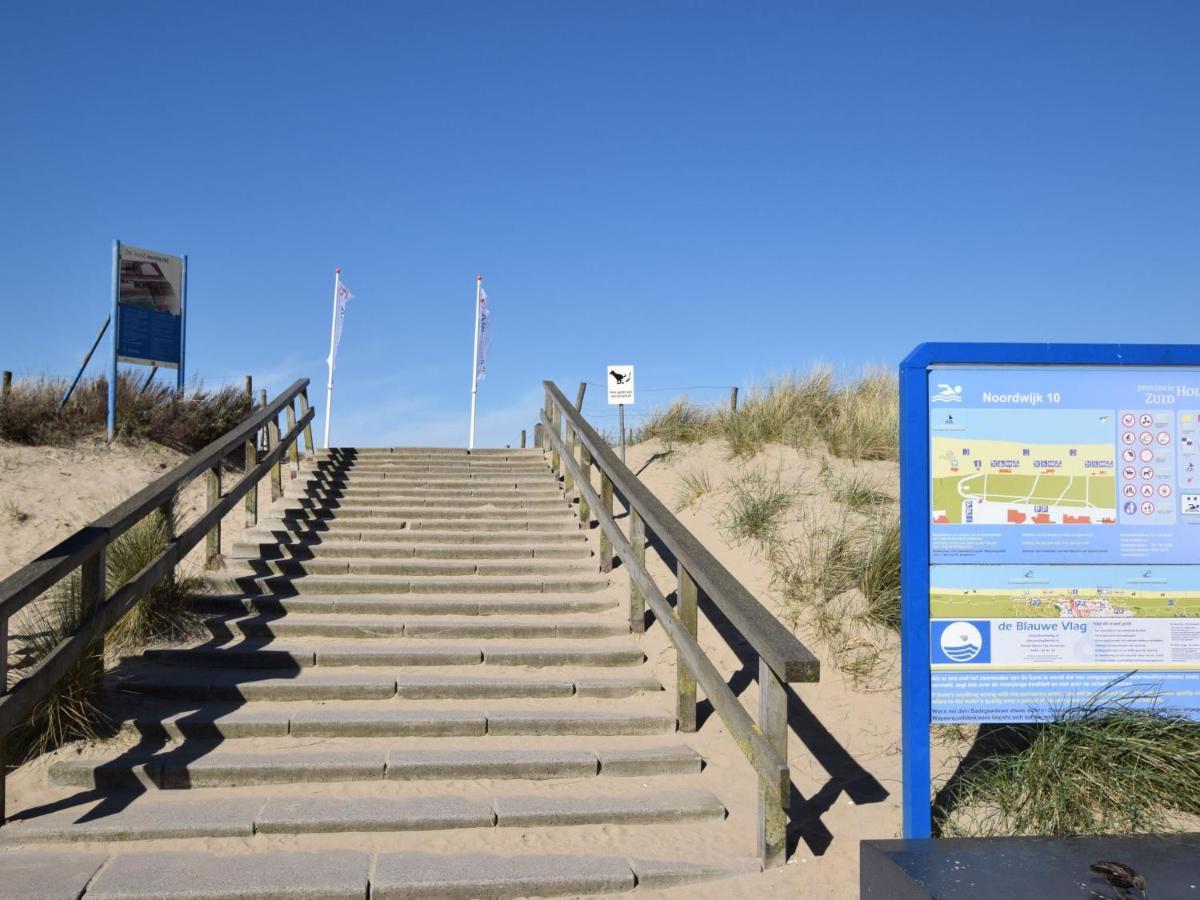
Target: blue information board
<point>149,307</point>
<point>1051,535</point>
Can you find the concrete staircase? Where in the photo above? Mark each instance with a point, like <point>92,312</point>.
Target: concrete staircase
<point>418,685</point>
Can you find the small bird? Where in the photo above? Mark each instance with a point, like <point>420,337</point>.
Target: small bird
<point>1121,877</point>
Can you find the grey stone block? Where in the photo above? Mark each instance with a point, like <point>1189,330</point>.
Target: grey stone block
<point>671,760</point>
<point>469,688</point>
<point>559,655</point>
<point>616,687</point>
<point>134,818</point>
<point>46,874</point>
<point>583,722</point>
<point>678,806</point>
<point>306,686</point>
<point>232,769</point>
<point>404,765</point>
<point>212,723</point>
<point>372,654</point>
<point>655,873</point>
<point>303,815</point>
<point>478,876</point>
<point>267,875</point>
<point>480,629</point>
<point>389,721</point>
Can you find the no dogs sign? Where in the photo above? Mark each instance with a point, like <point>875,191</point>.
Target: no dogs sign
<point>620,385</point>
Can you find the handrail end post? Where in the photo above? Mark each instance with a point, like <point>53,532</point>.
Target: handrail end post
<point>685,680</point>
<point>773,796</point>
<point>637,601</point>
<point>606,506</point>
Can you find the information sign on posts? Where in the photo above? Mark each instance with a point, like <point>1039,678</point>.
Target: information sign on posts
<point>1051,536</point>
<point>620,385</point>
<point>150,308</point>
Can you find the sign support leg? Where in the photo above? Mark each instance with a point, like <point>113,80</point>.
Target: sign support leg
<point>112,368</point>
<point>621,415</point>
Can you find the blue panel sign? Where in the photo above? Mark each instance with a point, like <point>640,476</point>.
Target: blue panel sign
<point>1051,536</point>
<point>150,308</point>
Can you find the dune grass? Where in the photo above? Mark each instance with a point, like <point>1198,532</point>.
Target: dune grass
<point>1105,767</point>
<point>856,420</point>
<point>756,508</point>
<point>29,414</point>
<point>694,485</point>
<point>857,491</point>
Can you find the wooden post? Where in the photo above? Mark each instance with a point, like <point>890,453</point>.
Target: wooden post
<point>606,503</point>
<point>637,603</point>
<point>772,808</point>
<point>308,438</point>
<point>539,437</point>
<point>93,589</point>
<point>167,511</point>
<point>212,542</point>
<point>6,384</point>
<point>579,396</point>
<point>294,446</point>
<point>568,478</point>
<point>522,438</point>
<point>585,470</point>
<point>556,426</point>
<point>277,468</point>
<point>733,400</point>
<point>251,453</point>
<point>685,680</point>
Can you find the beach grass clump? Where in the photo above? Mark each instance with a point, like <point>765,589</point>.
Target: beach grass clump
<point>864,420</point>
<point>857,491</point>
<point>166,612</point>
<point>71,710</point>
<point>694,485</point>
<point>680,423</point>
<point>757,506</point>
<point>185,422</point>
<point>789,409</point>
<point>875,565</point>
<point>1106,767</point>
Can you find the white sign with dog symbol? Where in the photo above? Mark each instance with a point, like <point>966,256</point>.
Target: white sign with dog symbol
<point>620,385</point>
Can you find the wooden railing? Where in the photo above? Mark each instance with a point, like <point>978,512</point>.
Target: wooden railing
<point>782,658</point>
<point>85,550</point>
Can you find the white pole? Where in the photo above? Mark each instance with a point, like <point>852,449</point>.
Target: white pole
<point>337,277</point>
<point>475,364</point>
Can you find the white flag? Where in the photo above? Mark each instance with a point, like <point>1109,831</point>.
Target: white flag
<point>485,335</point>
<point>343,297</point>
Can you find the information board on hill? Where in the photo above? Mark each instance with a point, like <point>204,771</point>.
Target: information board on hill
<point>1051,534</point>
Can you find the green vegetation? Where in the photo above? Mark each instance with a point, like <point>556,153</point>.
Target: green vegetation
<point>857,491</point>
<point>693,486</point>
<point>29,414</point>
<point>12,514</point>
<point>756,508</point>
<point>1103,768</point>
<point>858,420</point>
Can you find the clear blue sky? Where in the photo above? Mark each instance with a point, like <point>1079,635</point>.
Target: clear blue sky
<point>713,191</point>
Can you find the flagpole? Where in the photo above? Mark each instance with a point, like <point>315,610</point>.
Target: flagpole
<point>337,277</point>
<point>475,364</point>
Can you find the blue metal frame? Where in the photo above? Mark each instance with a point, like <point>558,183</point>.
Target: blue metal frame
<point>179,374</point>
<point>112,368</point>
<point>914,521</point>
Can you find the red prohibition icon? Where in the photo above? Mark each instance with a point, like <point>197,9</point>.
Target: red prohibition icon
<point>1148,508</point>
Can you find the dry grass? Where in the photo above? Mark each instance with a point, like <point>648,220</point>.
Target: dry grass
<point>12,514</point>
<point>29,415</point>
<point>857,420</point>
<point>694,486</point>
<point>1109,766</point>
<point>756,509</point>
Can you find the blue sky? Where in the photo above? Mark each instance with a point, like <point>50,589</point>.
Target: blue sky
<point>712,191</point>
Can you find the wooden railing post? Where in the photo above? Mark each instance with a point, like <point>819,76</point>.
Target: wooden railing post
<point>733,399</point>
<point>309,446</point>
<point>93,587</point>
<point>585,470</point>
<point>637,602</point>
<point>251,452</point>
<point>212,542</point>
<point>606,504</point>
<point>685,679</point>
<point>568,478</point>
<point>277,468</point>
<point>773,801</point>
<point>556,425</point>
<point>539,437</point>
<point>294,447</point>
<point>5,384</point>
<point>522,438</point>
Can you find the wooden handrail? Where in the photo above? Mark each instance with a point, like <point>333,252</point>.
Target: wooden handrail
<point>86,549</point>
<point>782,657</point>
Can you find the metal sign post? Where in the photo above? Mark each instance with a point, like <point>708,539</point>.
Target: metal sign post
<point>620,392</point>
<point>1050,528</point>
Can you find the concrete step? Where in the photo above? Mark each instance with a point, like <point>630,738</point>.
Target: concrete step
<point>298,718</point>
<point>240,579</point>
<point>320,533</point>
<point>337,875</point>
<point>292,510</point>
<point>193,765</point>
<point>283,625</point>
<point>411,500</point>
<point>369,525</point>
<point>383,550</point>
<point>409,604</point>
<point>159,816</point>
<point>406,653</point>
<point>311,684</point>
<point>348,488</point>
<point>437,486</point>
<point>349,565</point>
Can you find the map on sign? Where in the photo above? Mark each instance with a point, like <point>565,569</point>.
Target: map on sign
<point>1064,465</point>
<point>1011,467</point>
